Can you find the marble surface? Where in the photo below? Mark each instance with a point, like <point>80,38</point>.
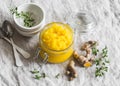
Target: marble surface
<point>107,14</point>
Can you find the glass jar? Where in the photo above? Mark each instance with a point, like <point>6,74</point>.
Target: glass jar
<point>82,22</point>
<point>56,40</point>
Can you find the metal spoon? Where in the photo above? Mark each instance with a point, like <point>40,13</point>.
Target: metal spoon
<point>3,37</point>
<point>9,33</point>
<point>20,50</point>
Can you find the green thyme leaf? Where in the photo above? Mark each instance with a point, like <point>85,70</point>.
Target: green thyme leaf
<point>97,61</point>
<point>57,76</point>
<point>34,71</point>
<point>107,61</point>
<point>26,16</point>
<point>104,52</point>
<point>101,63</point>
<point>43,75</point>
<point>37,77</point>
<point>37,74</point>
<point>95,51</point>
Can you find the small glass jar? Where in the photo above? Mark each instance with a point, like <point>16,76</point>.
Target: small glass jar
<point>82,22</point>
<point>55,54</point>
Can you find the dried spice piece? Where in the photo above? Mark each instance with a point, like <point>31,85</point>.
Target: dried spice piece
<point>71,72</point>
<point>82,60</point>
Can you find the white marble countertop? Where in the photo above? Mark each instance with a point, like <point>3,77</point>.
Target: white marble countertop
<point>107,13</point>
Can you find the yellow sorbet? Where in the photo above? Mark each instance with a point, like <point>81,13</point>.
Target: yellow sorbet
<point>57,42</point>
<point>57,37</point>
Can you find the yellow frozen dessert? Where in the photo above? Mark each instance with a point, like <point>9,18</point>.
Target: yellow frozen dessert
<point>56,39</point>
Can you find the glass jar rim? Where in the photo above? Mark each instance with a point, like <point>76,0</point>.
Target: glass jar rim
<point>83,16</point>
<point>44,28</point>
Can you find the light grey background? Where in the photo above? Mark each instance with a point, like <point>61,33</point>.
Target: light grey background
<point>107,14</point>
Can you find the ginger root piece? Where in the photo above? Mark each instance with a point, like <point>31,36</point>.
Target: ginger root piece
<point>75,54</point>
<point>82,60</point>
<point>71,72</point>
<point>79,58</point>
<point>88,52</point>
<point>86,60</point>
<point>85,46</point>
<point>88,44</point>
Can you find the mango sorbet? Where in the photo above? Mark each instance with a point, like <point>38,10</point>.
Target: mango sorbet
<point>57,41</point>
<point>57,37</point>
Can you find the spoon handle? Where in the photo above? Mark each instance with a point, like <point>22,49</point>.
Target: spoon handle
<point>17,58</point>
<point>24,53</point>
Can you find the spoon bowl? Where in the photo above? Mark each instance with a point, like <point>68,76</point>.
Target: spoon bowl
<point>1,33</point>
<point>24,53</point>
<point>7,29</point>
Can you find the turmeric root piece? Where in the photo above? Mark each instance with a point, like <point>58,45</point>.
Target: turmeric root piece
<point>88,52</point>
<point>75,54</point>
<point>82,60</point>
<point>79,58</point>
<point>85,46</point>
<point>88,44</point>
<point>86,60</point>
<point>87,64</point>
<point>71,72</point>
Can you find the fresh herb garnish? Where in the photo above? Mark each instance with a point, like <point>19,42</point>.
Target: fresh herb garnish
<point>26,16</point>
<point>57,76</point>
<point>95,51</point>
<point>101,63</point>
<point>14,11</point>
<point>38,75</point>
<point>34,71</point>
<point>43,75</point>
<point>104,52</point>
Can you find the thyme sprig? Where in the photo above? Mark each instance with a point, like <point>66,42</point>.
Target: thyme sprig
<point>38,75</point>
<point>57,76</point>
<point>26,16</point>
<point>101,63</point>
<point>94,49</point>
